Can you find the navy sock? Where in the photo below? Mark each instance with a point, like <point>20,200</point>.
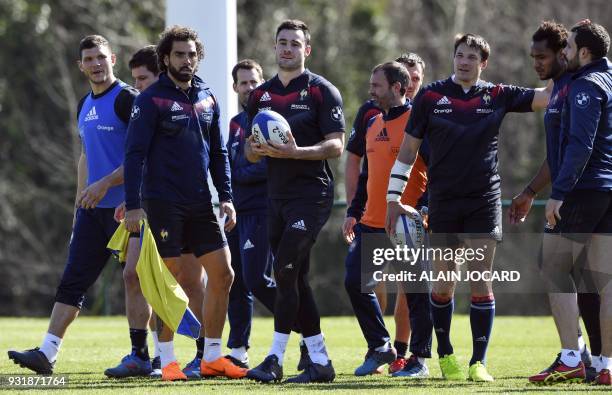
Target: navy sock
<point>442,314</point>
<point>138,338</point>
<point>482,313</point>
<point>401,348</point>
<point>200,347</point>
<point>589,310</point>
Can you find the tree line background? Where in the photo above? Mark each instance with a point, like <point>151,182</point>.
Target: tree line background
<point>40,86</point>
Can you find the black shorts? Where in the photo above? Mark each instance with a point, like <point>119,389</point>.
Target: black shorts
<point>584,211</point>
<point>469,217</point>
<point>304,217</point>
<point>181,227</point>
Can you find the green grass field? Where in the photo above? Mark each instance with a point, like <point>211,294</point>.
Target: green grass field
<point>520,347</point>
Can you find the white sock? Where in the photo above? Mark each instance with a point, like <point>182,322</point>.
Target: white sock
<point>212,349</point>
<point>570,358</point>
<point>155,344</point>
<point>240,353</point>
<point>581,344</point>
<point>384,348</point>
<point>316,349</point>
<point>596,362</point>
<point>166,353</point>
<point>421,360</point>
<point>279,345</point>
<point>50,346</point>
<point>605,363</point>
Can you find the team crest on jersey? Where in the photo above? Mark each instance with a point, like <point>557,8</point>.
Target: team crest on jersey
<point>135,112</point>
<point>164,234</point>
<point>206,116</point>
<point>336,113</point>
<point>582,99</point>
<point>303,94</point>
<point>486,99</point>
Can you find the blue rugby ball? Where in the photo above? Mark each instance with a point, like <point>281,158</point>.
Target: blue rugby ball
<point>269,125</point>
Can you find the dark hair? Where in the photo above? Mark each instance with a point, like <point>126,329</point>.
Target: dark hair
<point>592,36</point>
<point>147,57</point>
<point>411,59</point>
<point>394,72</point>
<point>92,41</point>
<point>294,24</point>
<point>474,41</point>
<point>176,33</point>
<point>246,64</point>
<point>554,33</point>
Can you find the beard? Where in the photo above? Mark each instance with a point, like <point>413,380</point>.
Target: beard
<point>573,64</point>
<point>183,75</point>
<point>289,65</point>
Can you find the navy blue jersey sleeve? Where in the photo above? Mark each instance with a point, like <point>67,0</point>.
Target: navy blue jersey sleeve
<point>219,163</point>
<point>356,142</point>
<point>419,116</point>
<point>141,129</point>
<point>80,107</point>
<point>517,99</point>
<point>331,116</point>
<point>123,103</point>
<point>585,105</point>
<point>357,206</point>
<point>243,171</point>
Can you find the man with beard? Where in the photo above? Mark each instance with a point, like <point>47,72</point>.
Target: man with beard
<point>174,128</point>
<point>547,47</point>
<point>102,116</point>
<point>300,188</point>
<point>580,205</point>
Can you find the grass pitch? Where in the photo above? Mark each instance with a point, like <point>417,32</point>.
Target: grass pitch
<point>520,346</point>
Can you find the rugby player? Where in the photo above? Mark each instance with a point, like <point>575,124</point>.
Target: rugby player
<point>300,190</point>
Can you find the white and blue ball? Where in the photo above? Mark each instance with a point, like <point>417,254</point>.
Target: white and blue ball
<point>269,125</point>
<point>409,231</point>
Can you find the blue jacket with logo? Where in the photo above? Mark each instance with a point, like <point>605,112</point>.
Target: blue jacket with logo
<point>175,135</point>
<point>586,132</point>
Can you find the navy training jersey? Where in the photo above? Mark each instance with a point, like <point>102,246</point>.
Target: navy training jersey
<point>176,135</point>
<point>463,130</point>
<point>249,185</point>
<point>102,122</point>
<point>552,123</point>
<point>357,142</point>
<point>313,108</point>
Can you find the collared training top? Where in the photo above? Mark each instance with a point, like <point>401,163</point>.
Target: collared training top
<point>313,108</point>
<point>102,121</point>
<point>176,136</point>
<point>463,131</point>
<point>552,123</point>
<point>586,132</point>
<point>249,185</point>
<point>356,141</point>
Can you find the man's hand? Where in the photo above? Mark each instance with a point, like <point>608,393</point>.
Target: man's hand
<point>347,229</point>
<point>91,196</point>
<point>521,204</point>
<point>119,212</point>
<point>394,210</point>
<point>227,208</point>
<point>252,149</point>
<point>552,211</point>
<point>133,218</point>
<point>283,151</point>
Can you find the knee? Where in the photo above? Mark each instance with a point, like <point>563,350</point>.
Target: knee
<point>222,282</point>
<point>130,278</point>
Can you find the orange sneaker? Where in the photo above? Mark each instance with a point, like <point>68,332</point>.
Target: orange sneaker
<point>222,367</point>
<point>173,372</point>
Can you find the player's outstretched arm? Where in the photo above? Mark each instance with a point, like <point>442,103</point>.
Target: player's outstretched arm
<point>521,203</point>
<point>542,96</point>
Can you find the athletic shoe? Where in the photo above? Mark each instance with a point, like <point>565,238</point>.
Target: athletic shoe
<point>304,357</point>
<point>450,368</point>
<point>130,366</point>
<point>478,373</point>
<point>590,374</point>
<point>192,370</point>
<point>314,373</point>
<point>267,371</point>
<point>413,369</point>
<point>552,365</point>
<point>374,360</point>
<point>173,372</point>
<point>32,359</point>
<point>222,367</point>
<point>397,365</point>
<point>604,377</point>
<point>156,366</point>
<point>586,357</point>
<point>560,373</point>
<point>241,364</point>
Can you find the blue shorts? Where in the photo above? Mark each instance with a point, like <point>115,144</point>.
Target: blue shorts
<point>87,254</point>
<point>475,217</point>
<point>584,212</point>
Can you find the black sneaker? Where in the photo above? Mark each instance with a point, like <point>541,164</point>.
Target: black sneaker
<point>315,373</point>
<point>553,365</point>
<point>304,357</point>
<point>590,374</point>
<point>237,362</point>
<point>586,358</point>
<point>32,359</point>
<point>267,371</point>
